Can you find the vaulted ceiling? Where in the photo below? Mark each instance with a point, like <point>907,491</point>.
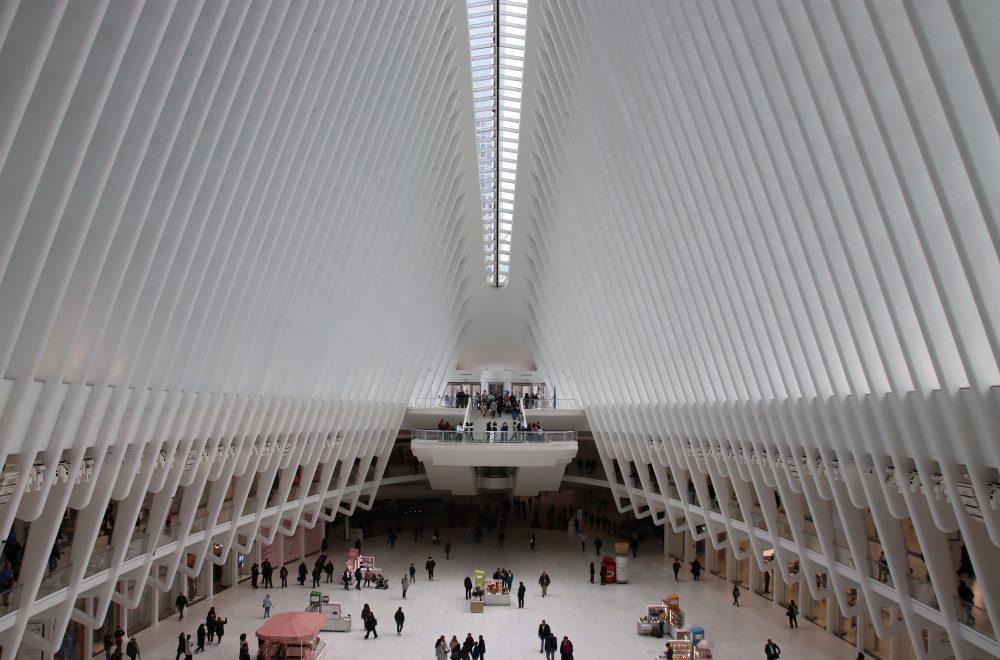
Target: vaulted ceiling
<point>223,219</point>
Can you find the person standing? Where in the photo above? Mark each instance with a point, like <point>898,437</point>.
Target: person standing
<point>771,650</point>
<point>736,595</point>
<point>551,646</point>
<point>220,628</point>
<point>303,573</point>
<point>447,549</point>
<point>267,605</point>
<point>188,648</point>
<point>468,587</point>
<point>604,574</point>
<point>566,649</point>
<point>967,599</point>
<point>480,650</point>
<point>430,568</point>
<point>413,573</point>
<point>267,572</point>
<point>210,624</point>
<point>597,546</point>
<point>254,574</point>
<point>283,574</point>
<point>406,585</point>
<point>531,541</point>
<point>181,603</point>
<point>677,569</point>
<point>180,646</point>
<point>544,630</point>
<point>592,572</point>
<point>793,615</point>
<point>696,569</point>
<point>244,647</point>
<point>583,543</point>
<point>200,637</point>
<point>399,617</point>
<point>544,581</point>
<point>520,594</point>
<point>635,547</point>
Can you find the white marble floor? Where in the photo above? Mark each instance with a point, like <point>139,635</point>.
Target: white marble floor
<point>599,620</point>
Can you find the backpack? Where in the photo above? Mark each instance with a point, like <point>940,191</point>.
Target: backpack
<point>475,651</point>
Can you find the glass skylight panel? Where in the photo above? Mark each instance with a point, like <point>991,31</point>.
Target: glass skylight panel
<point>496,43</point>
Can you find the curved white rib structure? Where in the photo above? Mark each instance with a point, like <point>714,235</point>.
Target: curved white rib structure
<point>216,219</point>
<point>761,241</point>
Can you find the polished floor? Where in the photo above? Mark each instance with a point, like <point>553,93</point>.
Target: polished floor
<point>599,620</point>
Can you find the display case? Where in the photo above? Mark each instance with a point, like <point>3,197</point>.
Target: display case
<point>683,649</point>
<point>496,593</point>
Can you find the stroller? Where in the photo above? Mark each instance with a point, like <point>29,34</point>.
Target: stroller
<point>381,582</point>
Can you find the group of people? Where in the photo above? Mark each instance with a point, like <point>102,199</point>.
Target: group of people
<point>549,643</point>
<point>497,405</point>
<point>474,649</point>
<point>116,648</point>
<point>210,631</point>
<point>266,571</point>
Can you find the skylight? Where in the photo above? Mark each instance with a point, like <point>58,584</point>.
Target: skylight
<point>496,36</point>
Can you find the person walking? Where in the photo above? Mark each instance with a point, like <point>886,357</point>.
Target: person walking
<point>406,585</point>
<point>592,572</point>
<point>413,573</point>
<point>358,576</point>
<point>566,649</point>
<point>520,594</point>
<point>188,648</point>
<point>200,635</point>
<point>597,546</point>
<point>180,646</point>
<point>677,569</point>
<point>181,602</point>
<point>132,648</point>
<point>551,646</point>
<point>447,549</point>
<point>267,605</point>
<point>244,647</point>
<point>370,624</point>
<point>771,650</point>
<point>430,568</point>
<point>696,569</point>
<point>399,617</point>
<point>283,574</point>
<point>793,614</point>
<point>303,573</point>
<point>468,587</point>
<point>736,595</point>
<point>583,543</point>
<point>544,630</point>
<point>544,581</point>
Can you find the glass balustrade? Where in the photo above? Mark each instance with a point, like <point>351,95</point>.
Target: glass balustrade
<point>494,437</point>
<point>54,581</point>
<point>975,617</point>
<point>10,600</point>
